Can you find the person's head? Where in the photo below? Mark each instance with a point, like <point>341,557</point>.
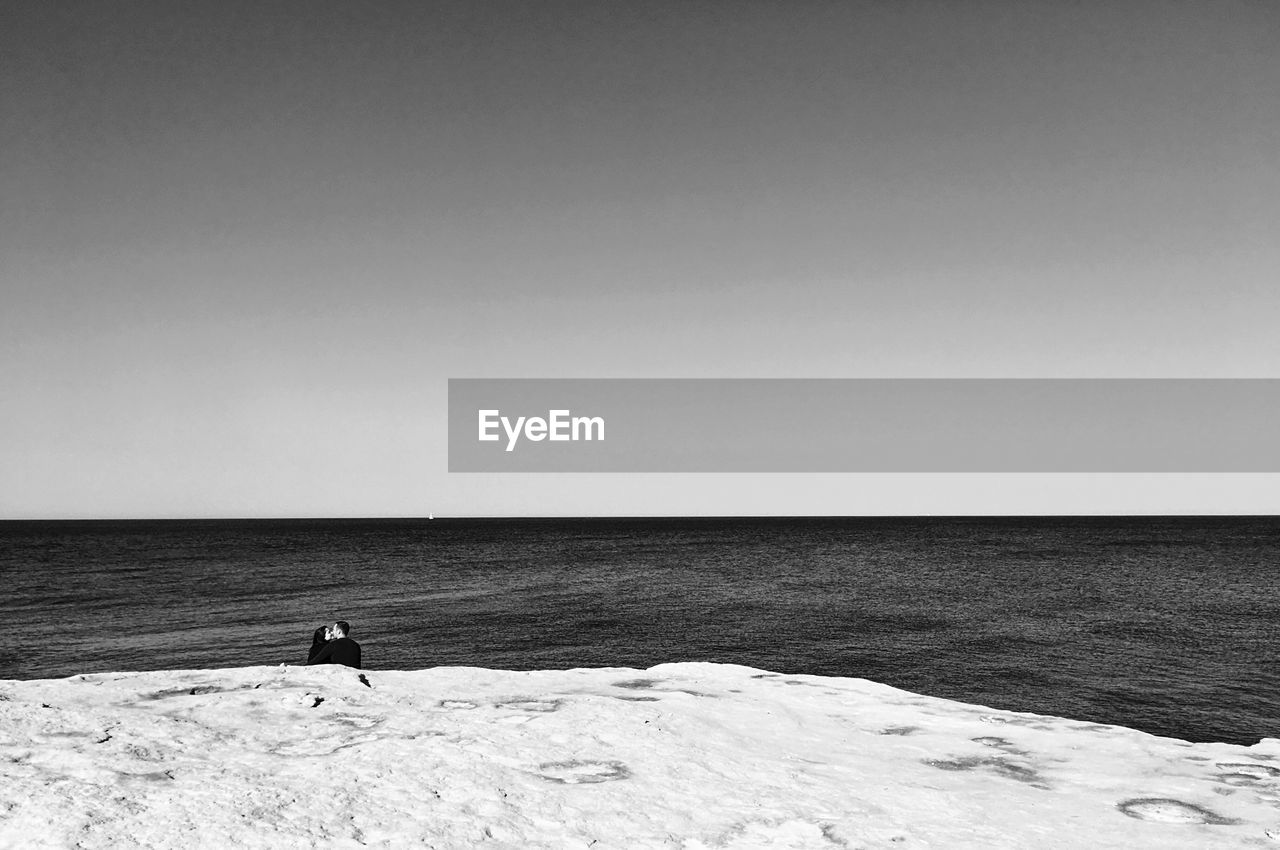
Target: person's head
<point>320,635</point>
<point>340,629</point>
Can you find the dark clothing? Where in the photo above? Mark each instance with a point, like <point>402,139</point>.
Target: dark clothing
<point>317,643</point>
<point>341,651</point>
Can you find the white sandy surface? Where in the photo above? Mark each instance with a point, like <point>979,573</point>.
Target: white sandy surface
<point>682,755</point>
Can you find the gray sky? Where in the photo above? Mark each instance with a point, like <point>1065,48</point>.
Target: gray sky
<point>243,245</point>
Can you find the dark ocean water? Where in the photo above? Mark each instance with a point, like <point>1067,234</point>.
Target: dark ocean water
<point>1168,625</point>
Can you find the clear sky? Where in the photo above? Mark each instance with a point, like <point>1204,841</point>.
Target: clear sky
<point>243,245</point>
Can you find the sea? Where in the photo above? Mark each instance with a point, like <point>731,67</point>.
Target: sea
<point>1164,624</point>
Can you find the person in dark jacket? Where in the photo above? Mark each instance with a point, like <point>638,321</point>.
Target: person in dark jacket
<point>340,650</point>
<point>318,639</point>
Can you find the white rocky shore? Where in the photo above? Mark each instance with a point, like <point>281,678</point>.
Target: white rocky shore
<point>681,755</point>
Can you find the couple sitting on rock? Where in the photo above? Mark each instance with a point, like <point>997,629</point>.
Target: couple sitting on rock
<point>330,645</point>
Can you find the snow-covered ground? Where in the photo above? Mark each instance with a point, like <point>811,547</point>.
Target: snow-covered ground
<point>681,755</point>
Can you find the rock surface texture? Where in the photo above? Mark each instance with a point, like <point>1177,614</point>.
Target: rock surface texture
<point>682,755</point>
